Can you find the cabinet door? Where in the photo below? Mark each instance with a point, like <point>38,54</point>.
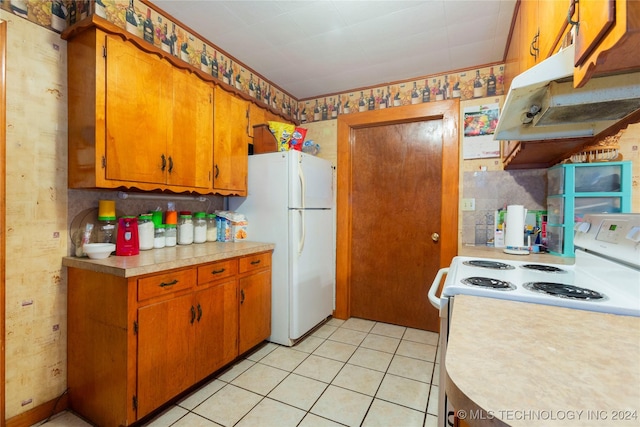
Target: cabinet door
<point>596,18</point>
<point>255,309</point>
<point>217,327</point>
<point>230,147</point>
<point>256,117</point>
<point>190,153</point>
<point>138,108</point>
<point>529,38</point>
<point>166,341</point>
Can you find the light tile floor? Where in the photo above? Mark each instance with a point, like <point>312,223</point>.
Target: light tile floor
<point>355,373</point>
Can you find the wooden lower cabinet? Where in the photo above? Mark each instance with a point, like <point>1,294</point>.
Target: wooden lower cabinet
<point>255,301</point>
<point>166,340</point>
<point>136,343</point>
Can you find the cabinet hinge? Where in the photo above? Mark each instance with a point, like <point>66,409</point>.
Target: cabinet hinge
<point>104,51</point>
<point>135,327</point>
<point>104,162</point>
<point>135,403</point>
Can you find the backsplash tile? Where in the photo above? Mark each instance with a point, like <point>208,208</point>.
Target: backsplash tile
<point>493,190</point>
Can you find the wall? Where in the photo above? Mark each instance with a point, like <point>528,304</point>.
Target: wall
<point>36,216</point>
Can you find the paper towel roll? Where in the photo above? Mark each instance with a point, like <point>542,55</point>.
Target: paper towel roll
<point>514,223</point>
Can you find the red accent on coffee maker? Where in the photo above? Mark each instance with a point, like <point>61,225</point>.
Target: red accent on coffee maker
<point>127,242</point>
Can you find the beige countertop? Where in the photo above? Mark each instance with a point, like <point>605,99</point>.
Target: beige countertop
<point>530,364</point>
<point>491,252</point>
<point>156,260</point>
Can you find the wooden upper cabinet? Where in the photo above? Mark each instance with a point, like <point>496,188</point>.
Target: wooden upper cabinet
<point>138,92</point>
<point>608,38</point>
<point>256,117</point>
<point>530,34</point>
<point>596,17</point>
<point>537,33</point>
<point>135,120</point>
<point>191,153</point>
<point>231,142</point>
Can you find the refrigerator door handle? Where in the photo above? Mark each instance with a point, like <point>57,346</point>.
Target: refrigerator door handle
<point>302,185</point>
<point>302,232</point>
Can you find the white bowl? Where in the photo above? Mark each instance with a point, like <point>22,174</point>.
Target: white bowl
<point>98,250</point>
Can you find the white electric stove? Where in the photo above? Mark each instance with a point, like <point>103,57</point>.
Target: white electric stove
<point>604,278</point>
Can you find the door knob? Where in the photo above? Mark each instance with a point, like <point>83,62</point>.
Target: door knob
<point>435,237</point>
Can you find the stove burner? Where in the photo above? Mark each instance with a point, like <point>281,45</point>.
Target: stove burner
<point>564,291</point>
<point>486,282</point>
<point>494,265</point>
<point>542,267</point>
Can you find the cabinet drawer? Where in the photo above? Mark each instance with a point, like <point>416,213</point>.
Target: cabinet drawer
<point>255,262</point>
<point>217,270</point>
<point>165,283</point>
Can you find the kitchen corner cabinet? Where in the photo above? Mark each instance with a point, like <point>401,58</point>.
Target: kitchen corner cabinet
<point>538,28</point>
<point>136,343</point>
<point>577,189</point>
<point>231,144</point>
<point>135,120</point>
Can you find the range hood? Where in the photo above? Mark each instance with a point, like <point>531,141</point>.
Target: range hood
<point>543,104</point>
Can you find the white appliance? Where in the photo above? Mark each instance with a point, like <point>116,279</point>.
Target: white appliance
<point>290,203</point>
<point>604,278</point>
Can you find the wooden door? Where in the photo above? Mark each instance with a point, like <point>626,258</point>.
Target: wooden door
<point>138,113</point>
<point>217,327</point>
<point>394,219</point>
<point>255,310</point>
<point>166,340</point>
<point>190,150</point>
<point>398,175</point>
<point>231,143</point>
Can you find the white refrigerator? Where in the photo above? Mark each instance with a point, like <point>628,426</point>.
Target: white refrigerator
<point>290,203</point>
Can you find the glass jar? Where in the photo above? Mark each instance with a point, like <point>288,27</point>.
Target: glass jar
<point>145,232</point>
<point>159,239</point>
<point>185,228</point>
<point>170,235</point>
<point>199,228</point>
<point>212,228</point>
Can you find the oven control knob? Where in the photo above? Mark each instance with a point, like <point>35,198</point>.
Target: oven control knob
<point>435,237</point>
<point>583,227</point>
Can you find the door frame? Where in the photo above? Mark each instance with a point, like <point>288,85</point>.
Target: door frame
<point>449,113</point>
<point>3,198</point>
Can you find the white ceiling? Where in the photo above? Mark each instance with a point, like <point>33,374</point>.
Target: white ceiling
<point>318,47</point>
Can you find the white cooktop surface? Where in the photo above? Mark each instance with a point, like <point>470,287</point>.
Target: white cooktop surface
<point>619,285</point>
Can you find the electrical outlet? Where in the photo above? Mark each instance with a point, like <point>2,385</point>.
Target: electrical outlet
<point>468,204</point>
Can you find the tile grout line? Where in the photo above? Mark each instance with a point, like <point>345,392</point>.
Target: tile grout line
<point>344,364</point>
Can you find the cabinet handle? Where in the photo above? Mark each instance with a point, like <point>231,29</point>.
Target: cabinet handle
<point>170,164</point>
<point>571,12</point>
<point>533,50</point>
<point>164,162</point>
<point>199,312</point>
<point>218,271</point>
<point>193,315</point>
<point>171,283</point>
<point>241,296</point>
<point>217,171</point>
<point>255,262</point>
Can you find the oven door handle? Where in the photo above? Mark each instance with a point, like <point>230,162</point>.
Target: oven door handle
<point>435,301</point>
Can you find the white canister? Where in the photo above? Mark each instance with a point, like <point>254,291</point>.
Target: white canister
<point>146,232</point>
